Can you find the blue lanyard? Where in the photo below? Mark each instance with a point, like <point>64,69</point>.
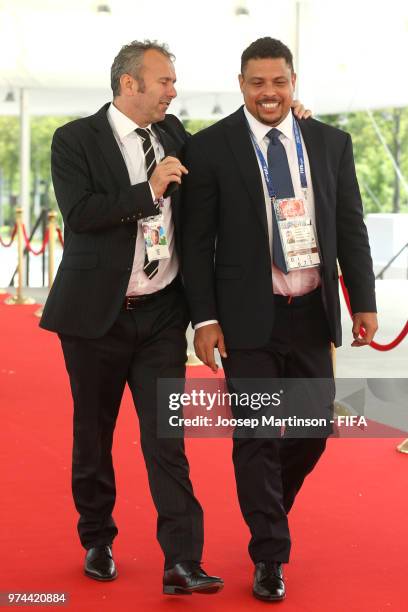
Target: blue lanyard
<point>264,165</point>
<point>300,156</point>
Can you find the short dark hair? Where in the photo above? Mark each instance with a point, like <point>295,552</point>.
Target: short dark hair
<point>129,61</point>
<point>266,48</point>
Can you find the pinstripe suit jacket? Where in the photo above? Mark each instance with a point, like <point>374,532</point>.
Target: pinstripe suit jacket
<point>100,209</point>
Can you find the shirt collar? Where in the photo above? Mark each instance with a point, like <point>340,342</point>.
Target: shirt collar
<point>121,123</point>
<point>260,130</point>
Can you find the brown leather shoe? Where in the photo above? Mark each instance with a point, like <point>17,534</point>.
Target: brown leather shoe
<point>268,581</point>
<point>188,577</point>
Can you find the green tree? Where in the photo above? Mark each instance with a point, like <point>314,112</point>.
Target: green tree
<point>380,186</point>
<point>41,132</point>
<point>195,125</point>
<point>9,159</point>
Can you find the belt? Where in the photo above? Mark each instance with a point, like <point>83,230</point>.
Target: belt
<point>133,301</point>
<point>289,301</point>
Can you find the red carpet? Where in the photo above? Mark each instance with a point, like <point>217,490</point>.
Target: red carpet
<point>349,524</point>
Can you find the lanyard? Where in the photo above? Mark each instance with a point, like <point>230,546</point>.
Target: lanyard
<point>300,158</point>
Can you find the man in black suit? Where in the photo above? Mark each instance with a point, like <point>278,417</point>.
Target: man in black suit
<point>271,310</point>
<point>122,317</point>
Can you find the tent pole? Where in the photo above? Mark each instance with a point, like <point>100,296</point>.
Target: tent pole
<point>25,157</point>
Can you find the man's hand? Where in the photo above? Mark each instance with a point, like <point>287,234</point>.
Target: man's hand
<point>169,170</point>
<point>367,321</point>
<point>300,111</point>
<point>206,338</point>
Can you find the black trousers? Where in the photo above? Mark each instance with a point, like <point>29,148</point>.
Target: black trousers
<point>269,471</point>
<point>143,345</point>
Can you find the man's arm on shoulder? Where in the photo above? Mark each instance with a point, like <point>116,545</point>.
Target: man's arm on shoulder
<point>83,209</point>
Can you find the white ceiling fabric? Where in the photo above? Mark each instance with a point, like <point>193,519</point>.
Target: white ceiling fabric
<point>352,55</point>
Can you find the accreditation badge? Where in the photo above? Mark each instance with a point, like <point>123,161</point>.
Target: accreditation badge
<point>297,234</point>
<point>155,237</point>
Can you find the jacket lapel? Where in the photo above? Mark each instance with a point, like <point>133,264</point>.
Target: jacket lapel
<point>166,140</point>
<point>242,149</point>
<point>316,152</point>
<point>109,147</point>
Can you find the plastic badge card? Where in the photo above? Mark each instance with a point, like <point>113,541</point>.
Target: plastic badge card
<point>297,234</point>
<point>155,238</point>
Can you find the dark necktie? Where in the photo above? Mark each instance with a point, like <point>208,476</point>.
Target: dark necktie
<point>282,182</point>
<point>150,267</point>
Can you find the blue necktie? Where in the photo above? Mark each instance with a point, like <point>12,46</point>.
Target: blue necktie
<point>282,182</point>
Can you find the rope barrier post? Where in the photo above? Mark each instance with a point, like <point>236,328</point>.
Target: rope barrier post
<point>52,232</point>
<point>403,447</point>
<point>19,299</point>
<point>7,245</point>
<point>52,220</point>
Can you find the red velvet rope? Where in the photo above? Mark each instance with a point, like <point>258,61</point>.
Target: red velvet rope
<point>373,344</point>
<point>13,235</point>
<point>28,244</point>
<point>60,236</point>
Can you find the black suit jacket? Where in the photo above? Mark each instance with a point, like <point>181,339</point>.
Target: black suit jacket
<point>100,210</point>
<point>226,258</point>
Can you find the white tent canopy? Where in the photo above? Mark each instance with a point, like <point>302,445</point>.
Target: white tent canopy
<point>348,54</point>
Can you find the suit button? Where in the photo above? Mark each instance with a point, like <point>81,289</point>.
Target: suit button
<point>133,235</point>
<point>139,215</point>
<point>128,269</point>
<point>122,220</point>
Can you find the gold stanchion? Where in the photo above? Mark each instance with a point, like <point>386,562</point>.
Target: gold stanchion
<point>52,232</point>
<point>333,355</point>
<point>403,447</point>
<point>19,299</point>
<point>52,218</point>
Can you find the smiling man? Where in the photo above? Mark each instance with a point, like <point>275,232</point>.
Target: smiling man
<point>269,304</point>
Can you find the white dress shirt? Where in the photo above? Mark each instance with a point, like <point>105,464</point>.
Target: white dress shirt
<point>131,147</point>
<point>297,282</point>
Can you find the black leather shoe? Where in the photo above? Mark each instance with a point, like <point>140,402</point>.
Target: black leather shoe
<point>188,577</point>
<point>99,563</point>
<point>268,581</point>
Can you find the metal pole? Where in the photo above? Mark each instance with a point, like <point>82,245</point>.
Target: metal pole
<point>297,51</point>
<point>19,298</point>
<point>25,158</point>
<point>43,230</point>
<point>301,50</point>
<point>52,228</point>
<point>52,218</point>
